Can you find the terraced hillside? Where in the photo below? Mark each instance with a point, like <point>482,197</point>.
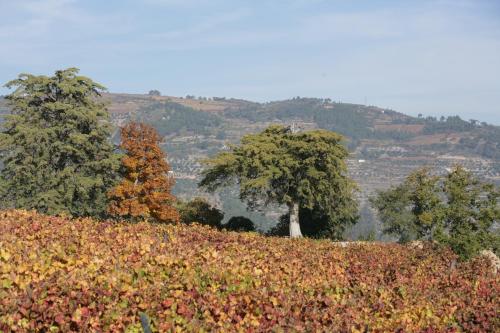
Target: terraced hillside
<point>385,145</point>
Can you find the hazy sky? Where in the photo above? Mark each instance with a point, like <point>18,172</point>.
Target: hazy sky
<point>429,57</point>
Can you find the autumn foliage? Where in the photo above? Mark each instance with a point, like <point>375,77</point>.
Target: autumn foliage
<point>145,189</point>
<point>80,275</point>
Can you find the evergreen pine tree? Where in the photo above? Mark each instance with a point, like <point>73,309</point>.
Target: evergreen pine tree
<point>457,210</point>
<point>473,208</point>
<point>299,170</point>
<point>55,146</point>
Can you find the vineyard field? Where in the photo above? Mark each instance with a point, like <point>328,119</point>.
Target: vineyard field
<point>61,275</point>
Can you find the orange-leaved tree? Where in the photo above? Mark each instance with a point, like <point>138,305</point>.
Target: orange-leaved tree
<point>145,189</point>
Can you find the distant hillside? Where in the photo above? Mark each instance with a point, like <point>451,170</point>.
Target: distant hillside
<point>386,145</point>
<point>3,106</point>
<point>356,122</point>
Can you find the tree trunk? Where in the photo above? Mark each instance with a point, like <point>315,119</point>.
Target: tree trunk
<point>293,210</point>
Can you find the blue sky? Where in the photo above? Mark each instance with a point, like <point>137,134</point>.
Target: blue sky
<point>429,57</point>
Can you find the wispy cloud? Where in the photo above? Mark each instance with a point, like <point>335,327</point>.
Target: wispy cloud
<point>36,17</point>
<point>205,26</point>
<point>181,3</point>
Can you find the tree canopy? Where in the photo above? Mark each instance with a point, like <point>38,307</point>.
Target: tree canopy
<point>456,209</point>
<point>413,209</point>
<point>154,92</point>
<point>200,211</point>
<point>145,189</point>
<point>55,145</point>
<point>239,223</point>
<point>304,169</point>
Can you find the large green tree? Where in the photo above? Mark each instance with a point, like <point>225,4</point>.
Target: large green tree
<point>55,146</point>
<point>457,209</point>
<point>472,211</point>
<point>413,209</point>
<point>300,170</point>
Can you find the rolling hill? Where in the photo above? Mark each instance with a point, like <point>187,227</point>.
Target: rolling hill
<point>385,145</point>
